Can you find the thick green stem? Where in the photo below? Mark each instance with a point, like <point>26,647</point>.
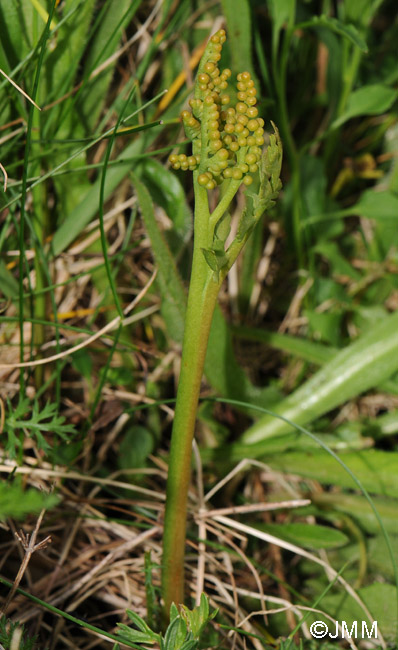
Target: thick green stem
<point>202,298</point>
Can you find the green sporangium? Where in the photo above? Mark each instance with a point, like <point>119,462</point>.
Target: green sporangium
<point>227,152</point>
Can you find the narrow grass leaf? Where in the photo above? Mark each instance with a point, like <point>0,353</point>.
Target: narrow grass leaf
<point>69,617</point>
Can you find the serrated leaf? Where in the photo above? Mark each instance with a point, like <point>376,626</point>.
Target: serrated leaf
<point>270,170</point>
<point>270,186</point>
<point>34,420</point>
<point>246,224</point>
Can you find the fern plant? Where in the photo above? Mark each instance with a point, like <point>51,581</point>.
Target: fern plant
<point>33,420</point>
<point>227,140</point>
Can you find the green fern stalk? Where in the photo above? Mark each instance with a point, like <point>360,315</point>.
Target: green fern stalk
<point>226,152</point>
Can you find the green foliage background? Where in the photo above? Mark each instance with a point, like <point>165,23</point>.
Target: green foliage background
<point>316,343</point>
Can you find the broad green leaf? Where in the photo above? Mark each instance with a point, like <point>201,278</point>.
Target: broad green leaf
<point>82,361</point>
<point>376,205</point>
<point>325,326</point>
<point>167,191</point>
<point>386,424</point>
<point>174,299</point>
<point>283,14</point>
<point>240,37</point>
<point>377,470</point>
<point>339,264</point>
<point>341,440</point>
<point>102,45</point>
<point>136,445</point>
<point>372,358</point>
<point>356,506</point>
<point>348,31</point>
<point>78,219</point>
<point>373,99</point>
<point>361,11</point>
<point>307,535</point>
